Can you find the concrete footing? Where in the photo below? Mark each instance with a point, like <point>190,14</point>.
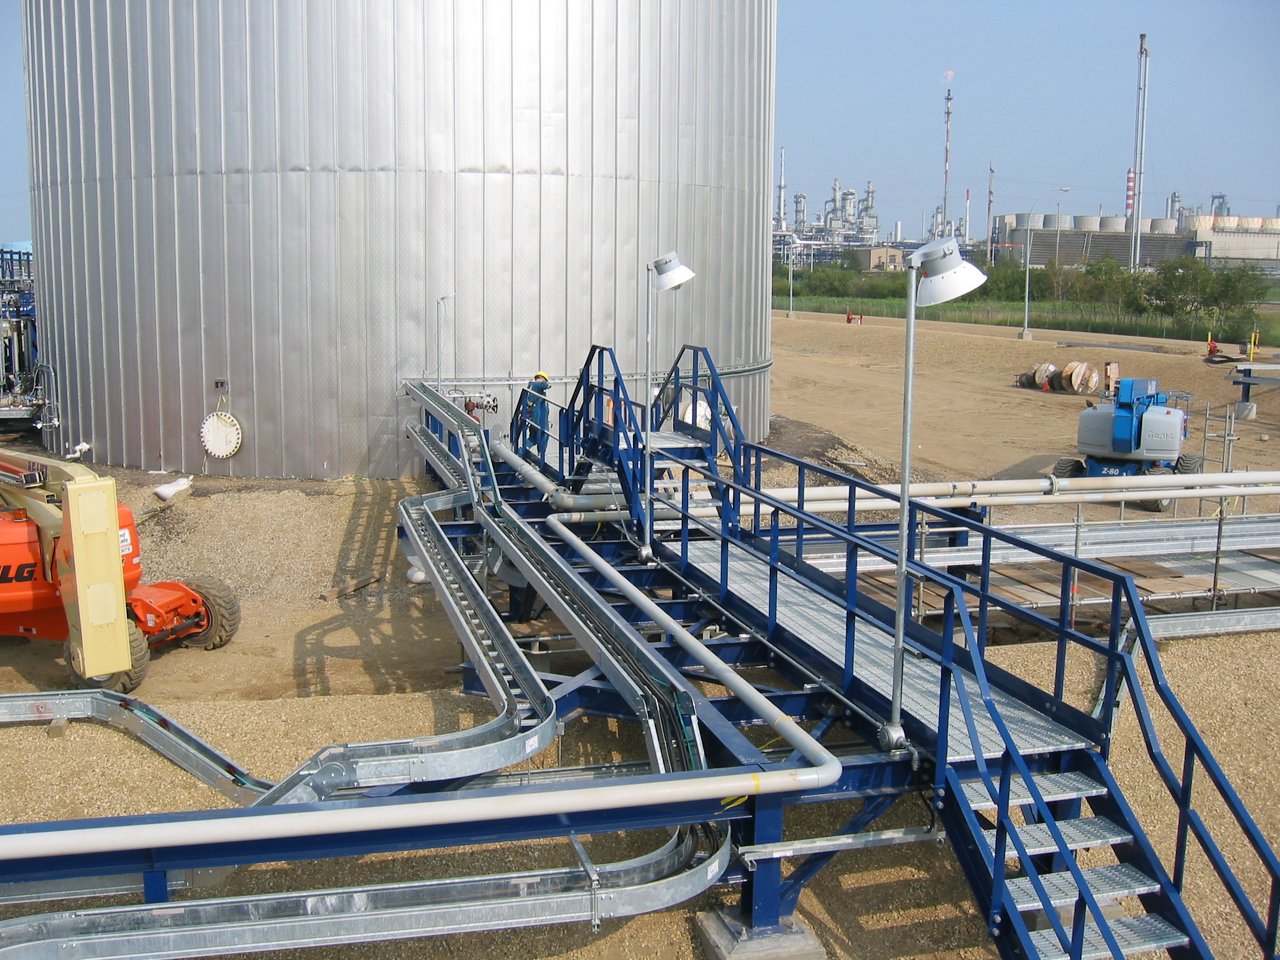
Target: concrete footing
<point>724,937</point>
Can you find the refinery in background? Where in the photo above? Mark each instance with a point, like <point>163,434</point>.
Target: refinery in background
<point>848,223</point>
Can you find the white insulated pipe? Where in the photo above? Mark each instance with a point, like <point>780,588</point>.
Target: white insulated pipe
<point>962,488</point>
<point>562,499</point>
<point>952,493</point>
<point>559,498</point>
<point>1100,496</point>
<point>225,827</point>
<point>826,768</point>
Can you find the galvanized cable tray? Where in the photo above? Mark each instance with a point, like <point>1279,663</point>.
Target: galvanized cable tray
<point>444,466</point>
<point>526,721</point>
<point>613,645</point>
<point>1096,541</point>
<point>129,715</point>
<point>691,861</point>
<point>656,694</point>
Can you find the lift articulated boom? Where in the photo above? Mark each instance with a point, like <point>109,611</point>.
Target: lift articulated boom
<point>71,571</point>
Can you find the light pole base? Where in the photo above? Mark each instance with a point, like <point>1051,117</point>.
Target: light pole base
<point>1024,335</point>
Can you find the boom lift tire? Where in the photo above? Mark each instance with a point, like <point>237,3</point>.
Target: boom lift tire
<point>1068,467</point>
<point>126,681</point>
<point>224,613</point>
<point>1189,464</point>
<point>1163,504</point>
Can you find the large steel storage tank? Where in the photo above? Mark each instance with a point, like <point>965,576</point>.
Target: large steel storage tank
<point>282,209</point>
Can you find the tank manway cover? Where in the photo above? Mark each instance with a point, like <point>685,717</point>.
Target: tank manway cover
<point>221,434</point>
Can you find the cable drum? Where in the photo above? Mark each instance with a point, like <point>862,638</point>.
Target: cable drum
<point>1085,379</point>
<point>1041,373</point>
<point>1078,376</point>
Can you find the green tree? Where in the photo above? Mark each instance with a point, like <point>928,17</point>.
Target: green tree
<point>1005,281</point>
<point>1107,285</point>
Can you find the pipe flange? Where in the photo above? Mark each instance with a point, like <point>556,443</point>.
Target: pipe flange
<point>221,435</point>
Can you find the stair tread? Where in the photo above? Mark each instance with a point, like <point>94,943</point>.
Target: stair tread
<point>1080,834</point>
<point>1108,883</point>
<point>1133,934</point>
<point>1052,786</point>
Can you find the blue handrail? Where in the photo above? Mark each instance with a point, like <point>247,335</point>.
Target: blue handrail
<point>693,380</point>
<point>1181,789</point>
<point>957,620</point>
<point>693,377</point>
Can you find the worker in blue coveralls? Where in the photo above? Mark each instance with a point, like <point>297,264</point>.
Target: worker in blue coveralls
<point>535,415</point>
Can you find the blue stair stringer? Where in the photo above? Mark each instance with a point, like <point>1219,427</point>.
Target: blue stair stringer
<point>1019,819</point>
<point>1047,808</point>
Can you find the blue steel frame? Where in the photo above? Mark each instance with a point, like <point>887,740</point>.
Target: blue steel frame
<point>955,639</point>
<point>960,645</point>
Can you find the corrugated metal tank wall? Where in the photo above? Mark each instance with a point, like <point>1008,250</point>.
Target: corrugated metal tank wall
<point>264,206</point>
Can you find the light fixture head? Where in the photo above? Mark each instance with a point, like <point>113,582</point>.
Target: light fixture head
<point>944,274</point>
<point>669,272</point>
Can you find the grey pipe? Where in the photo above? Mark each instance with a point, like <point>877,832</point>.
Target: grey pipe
<point>835,499</point>
<point>225,827</point>
<point>825,765</point>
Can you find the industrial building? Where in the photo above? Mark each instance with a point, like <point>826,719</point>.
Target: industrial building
<point>1062,238</point>
<point>1220,239</point>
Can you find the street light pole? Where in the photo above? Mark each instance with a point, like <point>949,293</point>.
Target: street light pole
<point>645,548</point>
<point>1057,238</point>
<point>1026,288</point>
<point>1026,262</point>
<point>946,276</point>
<point>892,734</point>
<point>791,279</point>
<point>665,273</point>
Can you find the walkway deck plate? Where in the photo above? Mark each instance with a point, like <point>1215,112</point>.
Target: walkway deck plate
<point>821,625</point>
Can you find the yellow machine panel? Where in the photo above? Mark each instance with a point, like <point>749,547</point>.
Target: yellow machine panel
<point>88,559</point>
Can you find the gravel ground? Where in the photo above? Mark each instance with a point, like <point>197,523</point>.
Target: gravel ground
<point>374,663</point>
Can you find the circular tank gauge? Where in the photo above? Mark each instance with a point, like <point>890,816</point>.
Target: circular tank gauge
<point>221,434</point>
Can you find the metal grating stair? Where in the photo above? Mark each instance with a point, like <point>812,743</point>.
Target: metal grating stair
<point>1108,884</point>
<point>1082,833</point>
<point>1080,900</point>
<point>1052,786</point>
<point>1134,934</point>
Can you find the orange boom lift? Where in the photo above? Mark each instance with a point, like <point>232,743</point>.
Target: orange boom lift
<point>71,572</point>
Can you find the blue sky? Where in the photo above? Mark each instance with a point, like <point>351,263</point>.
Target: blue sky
<point>1045,92</point>
<point>15,199</point>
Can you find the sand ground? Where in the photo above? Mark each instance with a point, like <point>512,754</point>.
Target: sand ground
<point>373,664</point>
